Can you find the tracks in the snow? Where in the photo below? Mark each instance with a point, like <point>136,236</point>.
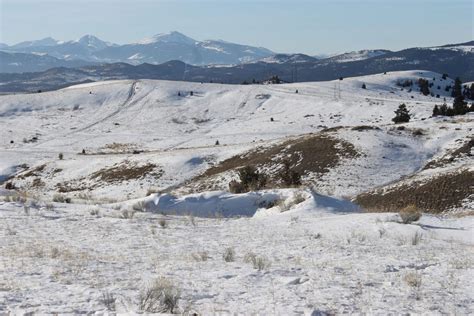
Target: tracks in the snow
<point>119,109</point>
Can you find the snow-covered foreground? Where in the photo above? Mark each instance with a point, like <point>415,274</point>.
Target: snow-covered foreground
<point>308,260</point>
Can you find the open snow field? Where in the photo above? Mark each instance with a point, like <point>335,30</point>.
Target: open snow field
<point>312,261</point>
<point>289,251</point>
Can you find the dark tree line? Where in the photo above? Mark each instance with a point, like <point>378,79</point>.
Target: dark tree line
<point>460,106</point>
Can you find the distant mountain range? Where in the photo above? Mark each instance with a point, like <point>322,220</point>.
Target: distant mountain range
<point>155,50</point>
<point>457,60</point>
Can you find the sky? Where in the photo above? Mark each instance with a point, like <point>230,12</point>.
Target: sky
<point>286,26</point>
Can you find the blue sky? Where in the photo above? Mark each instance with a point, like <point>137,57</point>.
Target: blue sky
<point>311,27</point>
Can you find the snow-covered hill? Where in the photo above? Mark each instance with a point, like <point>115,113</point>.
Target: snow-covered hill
<point>114,184</point>
<point>176,132</point>
<point>357,55</point>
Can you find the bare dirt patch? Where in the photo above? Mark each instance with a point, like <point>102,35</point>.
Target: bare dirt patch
<point>35,172</point>
<point>310,153</point>
<point>435,195</point>
<point>462,151</point>
<point>125,171</point>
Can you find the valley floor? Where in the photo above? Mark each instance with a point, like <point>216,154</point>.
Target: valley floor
<point>65,258</point>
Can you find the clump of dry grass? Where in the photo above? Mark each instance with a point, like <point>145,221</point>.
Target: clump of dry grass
<point>200,256</point>
<point>258,262</point>
<point>192,220</point>
<point>162,296</point>
<point>61,198</point>
<point>139,206</point>
<point>229,255</point>
<point>127,214</point>
<point>108,299</point>
<point>287,204</point>
<point>414,280</point>
<point>163,223</point>
<point>415,240</point>
<point>409,214</point>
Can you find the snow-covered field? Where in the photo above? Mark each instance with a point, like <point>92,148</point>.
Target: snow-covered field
<point>312,259</point>
<point>123,139</point>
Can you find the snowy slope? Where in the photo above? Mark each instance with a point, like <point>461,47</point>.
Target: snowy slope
<point>357,55</point>
<point>177,133</point>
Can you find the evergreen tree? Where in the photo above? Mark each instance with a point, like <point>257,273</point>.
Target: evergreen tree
<point>450,111</point>
<point>443,109</point>
<point>401,114</point>
<point>364,86</point>
<point>436,111</point>
<point>457,89</point>
<point>275,80</point>
<point>424,86</point>
<point>459,106</point>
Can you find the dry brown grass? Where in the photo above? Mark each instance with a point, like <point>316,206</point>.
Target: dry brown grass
<point>35,172</point>
<point>162,296</point>
<point>409,214</point>
<point>316,153</point>
<point>126,170</point>
<point>463,150</point>
<point>435,195</point>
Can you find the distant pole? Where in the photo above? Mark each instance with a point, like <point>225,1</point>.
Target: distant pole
<point>184,73</point>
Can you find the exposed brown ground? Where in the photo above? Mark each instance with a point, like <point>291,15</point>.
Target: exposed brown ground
<point>313,153</point>
<point>436,195</point>
<point>118,173</point>
<point>126,171</point>
<point>462,151</point>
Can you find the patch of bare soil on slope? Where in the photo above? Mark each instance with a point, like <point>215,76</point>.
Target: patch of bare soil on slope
<point>435,195</point>
<point>120,173</point>
<point>126,171</point>
<point>314,153</point>
<point>464,150</point>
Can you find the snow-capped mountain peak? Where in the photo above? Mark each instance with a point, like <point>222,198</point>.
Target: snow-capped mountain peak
<point>171,37</point>
<point>47,41</point>
<point>93,42</point>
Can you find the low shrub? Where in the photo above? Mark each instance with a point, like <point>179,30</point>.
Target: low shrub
<point>127,214</point>
<point>409,214</point>
<point>162,296</point>
<point>229,255</point>
<point>250,180</point>
<point>258,262</point>
<point>61,198</point>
